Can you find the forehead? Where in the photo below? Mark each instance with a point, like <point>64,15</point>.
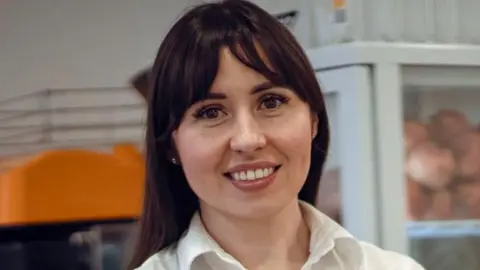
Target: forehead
<point>232,74</point>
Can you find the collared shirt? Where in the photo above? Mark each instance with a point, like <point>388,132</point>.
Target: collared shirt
<point>331,247</point>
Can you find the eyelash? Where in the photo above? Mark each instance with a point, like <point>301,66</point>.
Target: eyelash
<point>200,113</point>
<point>268,97</point>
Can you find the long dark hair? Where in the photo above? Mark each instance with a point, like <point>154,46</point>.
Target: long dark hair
<point>185,67</point>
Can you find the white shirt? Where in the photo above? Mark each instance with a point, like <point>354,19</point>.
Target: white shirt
<point>331,247</point>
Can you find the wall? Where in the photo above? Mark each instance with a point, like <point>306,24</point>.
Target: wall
<point>76,44</point>
<point>303,29</point>
<point>88,43</point>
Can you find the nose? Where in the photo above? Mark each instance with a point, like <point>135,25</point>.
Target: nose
<point>248,135</point>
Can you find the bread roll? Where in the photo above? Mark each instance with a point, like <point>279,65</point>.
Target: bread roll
<point>414,133</point>
<point>417,201</point>
<point>430,166</point>
<point>442,206</point>
<point>468,196</point>
<point>466,150</point>
<point>447,124</point>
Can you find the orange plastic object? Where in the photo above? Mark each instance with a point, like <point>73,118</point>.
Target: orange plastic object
<point>8,163</point>
<point>73,185</point>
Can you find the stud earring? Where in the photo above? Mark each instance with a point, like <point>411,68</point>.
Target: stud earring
<point>174,160</point>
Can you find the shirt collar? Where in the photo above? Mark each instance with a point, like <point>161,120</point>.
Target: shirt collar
<point>324,235</point>
<point>323,231</point>
<point>195,243</point>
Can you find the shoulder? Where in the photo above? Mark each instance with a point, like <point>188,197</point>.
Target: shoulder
<point>163,260</point>
<point>377,258</point>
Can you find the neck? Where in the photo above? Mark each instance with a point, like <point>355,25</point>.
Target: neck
<point>280,241</point>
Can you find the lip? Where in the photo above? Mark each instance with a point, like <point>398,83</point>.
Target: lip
<point>252,166</point>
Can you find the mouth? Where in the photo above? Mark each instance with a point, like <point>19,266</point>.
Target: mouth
<point>252,175</point>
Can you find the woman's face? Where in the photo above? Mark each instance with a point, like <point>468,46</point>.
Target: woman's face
<point>245,150</point>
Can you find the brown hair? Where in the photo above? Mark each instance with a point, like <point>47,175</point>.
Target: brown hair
<point>185,67</point>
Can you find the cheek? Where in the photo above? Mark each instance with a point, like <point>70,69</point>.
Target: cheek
<point>293,133</point>
<point>199,154</point>
<point>292,137</point>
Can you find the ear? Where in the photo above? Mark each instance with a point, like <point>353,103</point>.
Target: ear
<point>174,137</point>
<point>314,125</point>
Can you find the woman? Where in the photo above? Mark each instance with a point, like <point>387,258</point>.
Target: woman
<point>237,136</point>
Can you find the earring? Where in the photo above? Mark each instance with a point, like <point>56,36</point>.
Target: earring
<point>174,160</point>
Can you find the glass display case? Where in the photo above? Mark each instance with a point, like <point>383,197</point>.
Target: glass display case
<point>424,116</point>
<point>442,167</point>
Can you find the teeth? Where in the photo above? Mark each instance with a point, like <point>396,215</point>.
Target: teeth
<point>259,173</point>
<point>249,175</point>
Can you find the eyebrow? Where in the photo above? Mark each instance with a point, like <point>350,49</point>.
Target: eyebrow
<point>255,90</point>
<point>262,87</point>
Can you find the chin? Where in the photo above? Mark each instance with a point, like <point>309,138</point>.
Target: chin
<point>257,209</point>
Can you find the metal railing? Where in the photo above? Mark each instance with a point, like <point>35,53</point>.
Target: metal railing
<point>91,118</point>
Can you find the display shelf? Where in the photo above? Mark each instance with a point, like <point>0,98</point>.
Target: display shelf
<point>443,229</point>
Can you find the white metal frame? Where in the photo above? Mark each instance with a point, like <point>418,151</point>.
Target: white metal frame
<point>354,110</point>
<point>392,66</point>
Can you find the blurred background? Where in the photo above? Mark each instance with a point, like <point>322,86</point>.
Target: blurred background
<point>402,87</point>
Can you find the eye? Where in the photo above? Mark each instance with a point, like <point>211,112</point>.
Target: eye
<point>208,113</point>
<point>270,102</point>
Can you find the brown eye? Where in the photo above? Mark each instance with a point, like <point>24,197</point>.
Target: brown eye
<point>211,113</point>
<point>271,102</point>
<point>208,113</point>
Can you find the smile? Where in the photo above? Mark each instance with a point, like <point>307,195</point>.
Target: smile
<point>249,175</point>
<point>252,174</point>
